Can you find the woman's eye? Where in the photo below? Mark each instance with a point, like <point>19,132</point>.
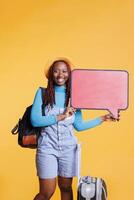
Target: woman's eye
<point>56,72</point>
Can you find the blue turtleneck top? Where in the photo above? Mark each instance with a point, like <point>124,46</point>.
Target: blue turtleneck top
<point>38,120</point>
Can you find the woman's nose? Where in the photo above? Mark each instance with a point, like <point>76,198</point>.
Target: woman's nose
<point>60,74</point>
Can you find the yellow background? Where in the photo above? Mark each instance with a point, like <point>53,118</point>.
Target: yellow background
<point>92,34</point>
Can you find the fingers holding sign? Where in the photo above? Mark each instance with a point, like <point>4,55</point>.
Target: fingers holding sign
<point>109,117</point>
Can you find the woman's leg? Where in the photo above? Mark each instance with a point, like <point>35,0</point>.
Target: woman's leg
<point>47,188</point>
<point>65,185</point>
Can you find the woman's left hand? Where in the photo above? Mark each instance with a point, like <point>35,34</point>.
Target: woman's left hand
<point>109,117</point>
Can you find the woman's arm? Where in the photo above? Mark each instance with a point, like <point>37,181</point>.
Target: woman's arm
<point>81,125</point>
<point>37,120</point>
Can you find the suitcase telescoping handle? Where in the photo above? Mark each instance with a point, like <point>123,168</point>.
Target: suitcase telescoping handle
<point>78,163</point>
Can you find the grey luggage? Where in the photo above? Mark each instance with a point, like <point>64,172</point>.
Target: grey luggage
<point>90,188</point>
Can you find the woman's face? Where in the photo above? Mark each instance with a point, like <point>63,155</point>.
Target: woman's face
<point>60,73</point>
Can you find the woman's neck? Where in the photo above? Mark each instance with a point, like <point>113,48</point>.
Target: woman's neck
<point>60,88</point>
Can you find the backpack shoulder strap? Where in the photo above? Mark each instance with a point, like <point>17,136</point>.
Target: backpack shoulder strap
<point>42,92</point>
<point>43,95</point>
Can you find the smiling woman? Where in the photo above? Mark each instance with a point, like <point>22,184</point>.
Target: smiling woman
<point>56,154</point>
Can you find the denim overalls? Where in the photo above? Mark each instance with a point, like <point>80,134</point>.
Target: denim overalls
<point>57,148</point>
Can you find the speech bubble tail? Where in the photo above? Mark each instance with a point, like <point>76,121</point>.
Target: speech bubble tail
<point>115,113</point>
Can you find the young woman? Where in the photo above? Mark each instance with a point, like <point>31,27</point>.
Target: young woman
<point>57,145</point>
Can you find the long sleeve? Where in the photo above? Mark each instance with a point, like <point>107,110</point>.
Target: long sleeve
<point>37,119</point>
<point>81,125</point>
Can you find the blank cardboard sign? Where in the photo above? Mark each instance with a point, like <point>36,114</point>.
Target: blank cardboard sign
<point>100,89</point>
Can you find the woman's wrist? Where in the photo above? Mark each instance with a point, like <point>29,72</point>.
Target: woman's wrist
<point>103,118</point>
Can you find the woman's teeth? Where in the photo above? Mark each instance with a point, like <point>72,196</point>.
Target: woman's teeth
<point>60,80</point>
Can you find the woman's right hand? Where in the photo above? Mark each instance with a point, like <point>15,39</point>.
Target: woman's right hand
<point>68,112</point>
<point>61,117</point>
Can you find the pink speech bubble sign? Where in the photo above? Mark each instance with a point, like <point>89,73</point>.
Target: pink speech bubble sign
<point>100,89</point>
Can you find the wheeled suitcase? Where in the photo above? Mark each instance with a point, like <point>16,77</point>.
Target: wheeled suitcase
<point>90,188</point>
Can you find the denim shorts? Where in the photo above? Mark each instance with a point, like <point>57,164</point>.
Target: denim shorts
<point>52,162</point>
